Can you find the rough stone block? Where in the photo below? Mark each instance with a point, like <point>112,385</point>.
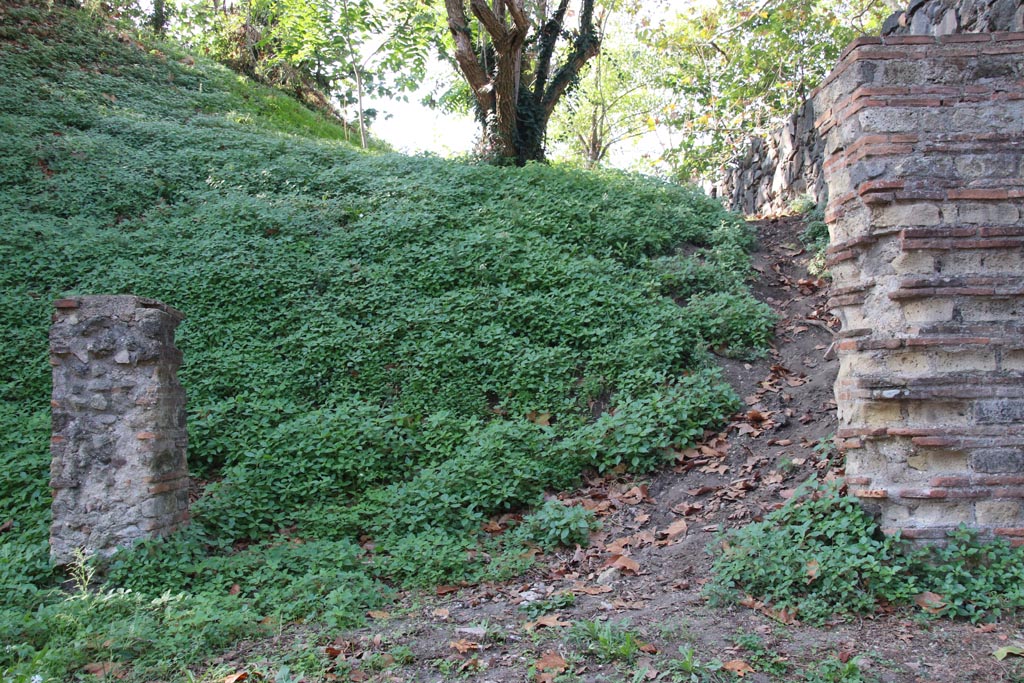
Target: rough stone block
<point>911,214</point>
<point>1002,411</point>
<point>1012,361</point>
<point>934,413</point>
<point>940,513</point>
<point>908,364</point>
<point>118,422</point>
<point>966,360</point>
<point>995,213</point>
<point>997,460</point>
<point>997,513</point>
<point>928,310</point>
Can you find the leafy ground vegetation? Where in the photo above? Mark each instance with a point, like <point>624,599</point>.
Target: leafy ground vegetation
<point>381,351</point>
<point>392,363</point>
<point>800,586</point>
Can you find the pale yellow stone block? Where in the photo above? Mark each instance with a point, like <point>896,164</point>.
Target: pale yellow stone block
<point>1005,513</point>
<point>931,310</point>
<point>916,214</point>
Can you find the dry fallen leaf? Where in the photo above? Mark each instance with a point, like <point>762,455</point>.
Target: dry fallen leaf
<point>675,530</point>
<point>590,590</point>
<point>634,496</point>
<point>626,564</point>
<point>1017,650</point>
<point>812,570</point>
<point>444,590</point>
<point>551,661</point>
<point>102,669</point>
<point>378,614</point>
<point>932,603</point>
<point>738,667</point>
<point>236,678</point>
<point>549,621</point>
<point>463,646</point>
<point>619,545</point>
<point>441,613</point>
<point>686,509</point>
<point>543,419</point>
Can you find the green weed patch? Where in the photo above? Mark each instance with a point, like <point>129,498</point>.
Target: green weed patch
<point>370,342</point>
<point>822,555</point>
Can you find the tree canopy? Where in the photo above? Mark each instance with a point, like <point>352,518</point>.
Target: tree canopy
<point>736,67</point>
<point>596,72</point>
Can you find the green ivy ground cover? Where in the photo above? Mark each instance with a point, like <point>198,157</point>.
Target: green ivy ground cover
<point>368,336</point>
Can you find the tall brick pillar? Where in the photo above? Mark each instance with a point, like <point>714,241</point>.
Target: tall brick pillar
<point>118,469</point>
<point>925,168</point>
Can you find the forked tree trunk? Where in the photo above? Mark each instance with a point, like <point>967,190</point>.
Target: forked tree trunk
<point>515,119</point>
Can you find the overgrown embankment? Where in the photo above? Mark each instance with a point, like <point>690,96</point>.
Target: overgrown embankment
<point>381,352</point>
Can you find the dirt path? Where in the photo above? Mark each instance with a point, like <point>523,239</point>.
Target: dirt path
<point>637,590</point>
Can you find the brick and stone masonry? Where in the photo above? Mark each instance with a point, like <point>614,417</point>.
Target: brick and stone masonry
<point>773,170</point>
<point>924,145</point>
<point>118,470</point>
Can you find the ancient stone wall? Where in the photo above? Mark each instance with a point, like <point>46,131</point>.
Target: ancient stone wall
<point>946,17</point>
<point>924,143</point>
<point>118,469</point>
<point>772,172</point>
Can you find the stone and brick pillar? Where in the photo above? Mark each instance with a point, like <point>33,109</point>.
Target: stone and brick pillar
<point>925,167</point>
<point>118,470</point>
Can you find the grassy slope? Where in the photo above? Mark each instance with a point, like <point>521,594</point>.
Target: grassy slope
<point>370,340</point>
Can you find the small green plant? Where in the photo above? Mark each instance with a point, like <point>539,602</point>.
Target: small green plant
<point>977,580</point>
<point>734,324</point>
<point>676,628</point>
<point>540,607</point>
<point>816,239</point>
<point>759,656</point>
<point>556,524</point>
<point>609,641</point>
<point>817,555</point>
<point>688,669</point>
<point>803,204</point>
<point>833,670</point>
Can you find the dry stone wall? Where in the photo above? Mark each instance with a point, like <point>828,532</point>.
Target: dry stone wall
<point>946,17</point>
<point>118,470</point>
<point>924,144</point>
<point>774,171</point>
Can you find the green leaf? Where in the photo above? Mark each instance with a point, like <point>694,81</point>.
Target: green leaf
<point>1002,653</point>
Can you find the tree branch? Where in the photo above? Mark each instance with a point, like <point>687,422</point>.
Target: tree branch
<point>522,23</point>
<point>548,38</point>
<point>587,45</point>
<point>493,25</point>
<point>478,80</point>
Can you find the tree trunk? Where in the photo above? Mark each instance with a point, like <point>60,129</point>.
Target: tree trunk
<point>515,119</point>
<point>159,18</point>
